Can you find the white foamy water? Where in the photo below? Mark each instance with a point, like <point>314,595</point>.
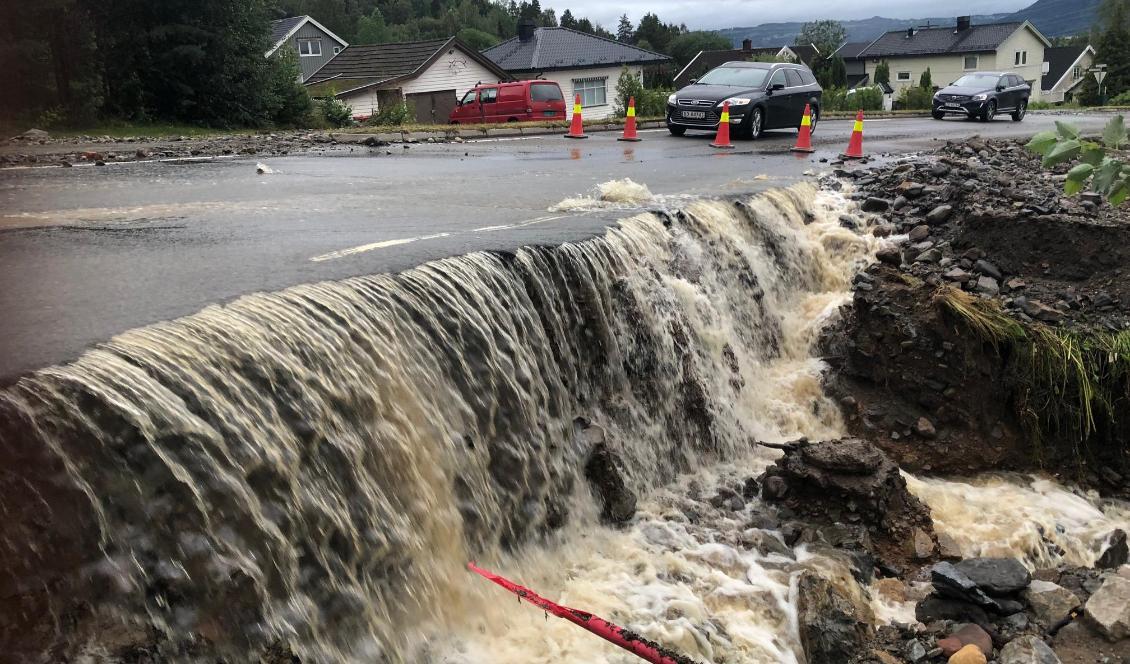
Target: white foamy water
<point>614,194</point>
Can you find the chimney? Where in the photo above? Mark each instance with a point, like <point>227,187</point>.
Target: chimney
<point>910,32</point>
<point>747,46</point>
<point>526,29</point>
<point>963,22</point>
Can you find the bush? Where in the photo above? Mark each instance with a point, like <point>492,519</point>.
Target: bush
<point>335,112</point>
<point>627,86</point>
<point>839,99</point>
<point>392,116</point>
<point>288,103</point>
<point>1120,100</point>
<point>915,99</point>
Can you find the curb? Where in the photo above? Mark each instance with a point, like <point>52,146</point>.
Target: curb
<point>355,138</point>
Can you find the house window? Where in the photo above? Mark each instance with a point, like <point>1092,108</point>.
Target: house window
<point>593,91</point>
<point>1077,73</point>
<point>1020,58</point>
<point>903,76</point>
<point>309,47</point>
<point>970,62</point>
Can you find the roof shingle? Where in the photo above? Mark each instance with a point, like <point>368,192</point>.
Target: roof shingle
<point>933,41</point>
<point>378,62</point>
<point>283,26</point>
<point>1059,58</point>
<point>562,48</point>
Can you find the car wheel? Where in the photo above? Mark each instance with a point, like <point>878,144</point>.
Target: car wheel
<point>753,125</point>
<point>815,118</point>
<point>990,111</point>
<point>938,116</point>
<point>1020,111</point>
<point>676,131</point>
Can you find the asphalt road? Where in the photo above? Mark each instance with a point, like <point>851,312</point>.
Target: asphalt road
<point>89,252</point>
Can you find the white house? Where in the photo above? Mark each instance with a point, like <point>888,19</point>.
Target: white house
<point>430,76</point>
<point>313,42</point>
<point>951,52</point>
<point>582,64</point>
<point>1067,69</point>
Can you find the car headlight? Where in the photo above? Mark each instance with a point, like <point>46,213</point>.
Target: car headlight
<point>738,101</point>
<point>671,99</point>
<point>981,97</point>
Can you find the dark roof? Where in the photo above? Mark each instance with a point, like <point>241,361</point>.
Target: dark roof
<point>851,50</point>
<point>807,54</point>
<point>931,41</point>
<point>283,26</point>
<point>362,66</point>
<point>858,80</point>
<point>1059,58</point>
<point>562,48</point>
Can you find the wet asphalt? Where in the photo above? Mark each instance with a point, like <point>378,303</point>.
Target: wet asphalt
<point>89,252</point>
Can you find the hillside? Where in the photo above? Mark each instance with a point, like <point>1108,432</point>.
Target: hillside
<point>1060,18</point>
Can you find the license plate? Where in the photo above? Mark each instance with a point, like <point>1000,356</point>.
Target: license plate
<point>694,115</point>
<point>953,106</point>
<point>549,112</point>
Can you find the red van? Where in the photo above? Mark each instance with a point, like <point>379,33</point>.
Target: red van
<point>520,101</point>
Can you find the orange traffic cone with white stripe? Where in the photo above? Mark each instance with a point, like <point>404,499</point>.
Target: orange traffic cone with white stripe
<point>855,145</point>
<point>722,140</point>
<point>630,122</point>
<point>577,127</point>
<point>804,138</point>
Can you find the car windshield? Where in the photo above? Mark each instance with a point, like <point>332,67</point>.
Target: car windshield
<point>739,77</point>
<point>984,81</point>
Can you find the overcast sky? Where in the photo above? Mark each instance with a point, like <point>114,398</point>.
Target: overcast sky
<point>708,14</point>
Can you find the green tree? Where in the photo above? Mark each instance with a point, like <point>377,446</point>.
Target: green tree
<point>477,39</point>
<point>838,73</point>
<point>627,87</point>
<point>625,33</point>
<point>926,82</point>
<point>585,25</point>
<point>656,33</point>
<point>288,103</point>
<point>883,73</point>
<point>687,45</point>
<point>372,29</point>
<point>567,20</point>
<point>1112,45</point>
<point>825,35</point>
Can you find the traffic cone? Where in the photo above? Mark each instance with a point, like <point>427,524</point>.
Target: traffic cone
<point>722,140</point>
<point>576,128</point>
<point>804,138</point>
<point>630,122</point>
<point>855,145</point>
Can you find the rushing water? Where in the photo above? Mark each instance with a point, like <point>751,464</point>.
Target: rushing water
<point>316,466</point>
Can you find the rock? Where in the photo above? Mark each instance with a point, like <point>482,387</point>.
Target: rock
<point>33,135</point>
<point>922,544</point>
<point>1050,602</point>
<point>939,215</point>
<point>374,142</point>
<point>997,576</point>
<point>889,255</point>
<point>603,471</point>
<point>929,256</point>
<point>939,170</point>
<point>957,274</point>
<point>970,654</point>
<point>1038,310</point>
<point>935,608</point>
<point>1027,650</point>
<point>948,546</point>
<point>765,543</point>
<point>1108,610</point>
<point>1116,552</point>
<point>848,456</point>
<point>951,582</point>
<point>965,635</point>
<point>919,233</point>
<point>875,204</point>
<point>985,267</point>
<point>988,286</point>
<point>833,628</point>
<point>925,428</point>
<point>915,651</point>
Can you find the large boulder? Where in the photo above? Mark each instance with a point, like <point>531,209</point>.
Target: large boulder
<point>935,608</point>
<point>833,626</point>
<point>605,474</point>
<point>1108,610</point>
<point>1050,602</point>
<point>951,582</point>
<point>1027,650</point>
<point>1116,552</point>
<point>996,576</point>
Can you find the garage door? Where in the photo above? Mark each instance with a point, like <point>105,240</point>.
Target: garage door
<point>432,107</point>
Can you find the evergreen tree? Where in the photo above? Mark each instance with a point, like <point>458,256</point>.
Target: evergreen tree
<point>624,31</point>
<point>585,25</point>
<point>926,82</point>
<point>372,29</point>
<point>1111,40</point>
<point>567,20</point>
<point>883,73</point>
<point>838,73</point>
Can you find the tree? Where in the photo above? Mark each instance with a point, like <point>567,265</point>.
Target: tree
<point>839,73</point>
<point>372,29</point>
<point>687,45</point>
<point>585,25</point>
<point>656,33</point>
<point>926,82</point>
<point>825,35</point>
<point>477,39</point>
<point>1112,34</point>
<point>627,87</point>
<point>883,73</point>
<point>624,31</point>
<point>567,20</point>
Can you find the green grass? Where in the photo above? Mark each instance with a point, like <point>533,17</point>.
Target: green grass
<point>157,130</point>
<point>1071,388</point>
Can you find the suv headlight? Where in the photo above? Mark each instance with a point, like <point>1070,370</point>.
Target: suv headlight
<point>671,99</point>
<point>738,101</point>
<point>980,97</point>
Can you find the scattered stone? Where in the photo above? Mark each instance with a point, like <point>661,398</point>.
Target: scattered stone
<point>948,547</point>
<point>1108,610</point>
<point>919,233</point>
<point>1050,602</point>
<point>985,267</point>
<point>936,608</point>
<point>875,204</point>
<point>915,651</point>
<point>1116,552</point>
<point>925,428</point>
<point>833,628</point>
<point>965,635</point>
<point>1038,310</point>
<point>970,654</point>
<point>957,274</point>
<point>939,215</point>
<point>604,473</point>
<point>922,544</point>
<point>33,135</point>
<point>889,255</point>
<point>1027,650</point>
<point>949,581</point>
<point>929,256</point>
<point>988,286</point>
<point>997,576</point>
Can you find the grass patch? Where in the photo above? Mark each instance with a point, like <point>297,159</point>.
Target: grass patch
<point>160,130</point>
<point>1070,388</point>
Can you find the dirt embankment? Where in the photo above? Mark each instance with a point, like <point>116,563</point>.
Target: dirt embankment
<point>994,332</point>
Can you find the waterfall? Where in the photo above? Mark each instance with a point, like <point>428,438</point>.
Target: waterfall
<point>314,467</point>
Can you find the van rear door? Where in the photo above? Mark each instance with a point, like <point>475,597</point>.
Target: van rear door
<point>546,100</point>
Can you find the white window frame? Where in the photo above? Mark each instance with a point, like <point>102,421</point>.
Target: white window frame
<point>596,85</point>
<point>1020,58</point>
<point>311,42</point>
<point>1077,72</point>
<point>965,62</point>
<point>903,76</point>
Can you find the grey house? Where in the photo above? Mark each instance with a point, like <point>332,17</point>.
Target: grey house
<point>314,44</point>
